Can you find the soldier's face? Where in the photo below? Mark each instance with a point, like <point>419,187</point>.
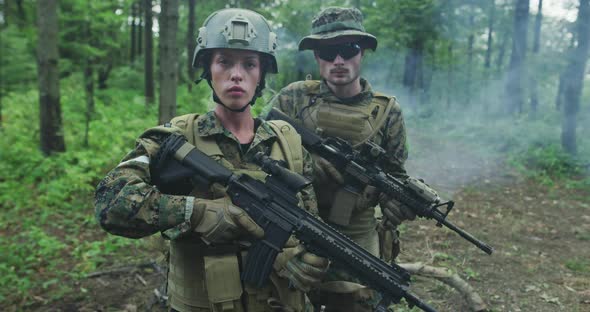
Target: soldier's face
<point>235,75</point>
<point>340,63</point>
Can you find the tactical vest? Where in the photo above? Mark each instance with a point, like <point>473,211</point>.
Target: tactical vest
<point>357,124</point>
<point>205,278</point>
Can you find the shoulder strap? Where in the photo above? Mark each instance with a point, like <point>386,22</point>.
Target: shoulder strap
<point>290,144</point>
<point>187,123</point>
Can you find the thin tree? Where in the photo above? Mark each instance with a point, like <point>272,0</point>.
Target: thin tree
<point>139,26</point>
<point>535,53</point>
<point>491,21</point>
<point>470,41</point>
<point>574,81</point>
<point>88,80</point>
<point>562,77</point>
<point>190,43</point>
<point>516,73</point>
<point>51,128</point>
<point>149,54</point>
<point>168,56</point>
<point>132,52</point>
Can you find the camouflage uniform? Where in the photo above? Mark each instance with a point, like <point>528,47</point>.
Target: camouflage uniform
<point>366,116</point>
<point>294,101</point>
<point>127,203</point>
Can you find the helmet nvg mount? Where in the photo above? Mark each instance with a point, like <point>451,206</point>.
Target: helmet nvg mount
<point>236,29</point>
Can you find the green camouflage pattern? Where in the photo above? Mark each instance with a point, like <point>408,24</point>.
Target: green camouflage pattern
<point>127,204</point>
<point>336,22</point>
<point>293,99</point>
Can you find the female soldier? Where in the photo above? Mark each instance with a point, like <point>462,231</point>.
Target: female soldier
<point>235,48</point>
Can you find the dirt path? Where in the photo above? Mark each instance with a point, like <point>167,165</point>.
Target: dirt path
<point>541,234</point>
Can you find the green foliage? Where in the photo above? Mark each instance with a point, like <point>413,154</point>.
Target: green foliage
<point>546,161</point>
<point>51,197</point>
<point>578,265</point>
<point>17,60</point>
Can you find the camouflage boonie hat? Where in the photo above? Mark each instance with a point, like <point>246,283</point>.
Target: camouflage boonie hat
<point>337,22</point>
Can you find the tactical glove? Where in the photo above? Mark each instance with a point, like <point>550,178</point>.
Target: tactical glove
<point>394,212</point>
<point>303,269</point>
<point>218,221</point>
<point>325,171</point>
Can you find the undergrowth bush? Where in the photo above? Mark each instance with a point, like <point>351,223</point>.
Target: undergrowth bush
<point>47,212</point>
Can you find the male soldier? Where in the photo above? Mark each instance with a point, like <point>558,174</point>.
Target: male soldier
<point>343,105</point>
<point>208,234</point>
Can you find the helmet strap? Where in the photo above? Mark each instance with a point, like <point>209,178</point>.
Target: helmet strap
<point>206,75</point>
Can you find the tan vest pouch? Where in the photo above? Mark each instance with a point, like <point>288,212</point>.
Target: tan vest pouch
<point>222,280</point>
<point>289,143</point>
<point>343,205</point>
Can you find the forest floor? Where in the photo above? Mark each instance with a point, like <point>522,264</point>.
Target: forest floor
<point>541,236</point>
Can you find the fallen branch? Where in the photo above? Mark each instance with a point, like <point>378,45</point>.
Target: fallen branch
<point>446,276</point>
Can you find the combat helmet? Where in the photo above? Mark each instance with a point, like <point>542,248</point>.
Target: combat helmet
<point>236,29</point>
<point>335,22</point>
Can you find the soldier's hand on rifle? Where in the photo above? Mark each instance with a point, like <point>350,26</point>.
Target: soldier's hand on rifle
<point>303,269</point>
<point>325,171</point>
<point>218,220</point>
<point>394,212</point>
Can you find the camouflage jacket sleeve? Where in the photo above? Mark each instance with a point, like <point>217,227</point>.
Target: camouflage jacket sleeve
<point>308,194</point>
<point>394,143</point>
<point>127,204</point>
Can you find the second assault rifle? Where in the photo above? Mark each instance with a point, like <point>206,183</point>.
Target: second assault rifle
<point>362,168</point>
<point>273,205</point>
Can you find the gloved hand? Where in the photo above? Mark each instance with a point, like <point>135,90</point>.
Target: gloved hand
<point>394,212</point>
<point>303,269</point>
<point>389,244</point>
<point>218,220</point>
<point>325,171</point>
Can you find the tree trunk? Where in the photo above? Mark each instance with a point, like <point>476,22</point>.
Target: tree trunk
<point>562,76</point>
<point>190,44</point>
<point>450,75</point>
<point>574,80</point>
<point>139,27</point>
<point>517,72</point>
<point>22,17</point>
<point>89,90</point>
<point>149,55</point>
<point>168,57</point>
<point>491,21</point>
<point>502,51</point>
<point>411,71</point>
<point>51,128</point>
<point>103,75</point>
<point>470,41</point>
<point>133,36</point>
<point>536,46</point>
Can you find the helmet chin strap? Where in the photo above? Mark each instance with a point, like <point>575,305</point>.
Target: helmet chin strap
<point>258,93</point>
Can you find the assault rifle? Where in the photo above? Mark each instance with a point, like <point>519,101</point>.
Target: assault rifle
<point>362,168</point>
<point>273,205</point>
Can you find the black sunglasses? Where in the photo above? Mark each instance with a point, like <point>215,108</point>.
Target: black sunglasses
<point>346,51</point>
